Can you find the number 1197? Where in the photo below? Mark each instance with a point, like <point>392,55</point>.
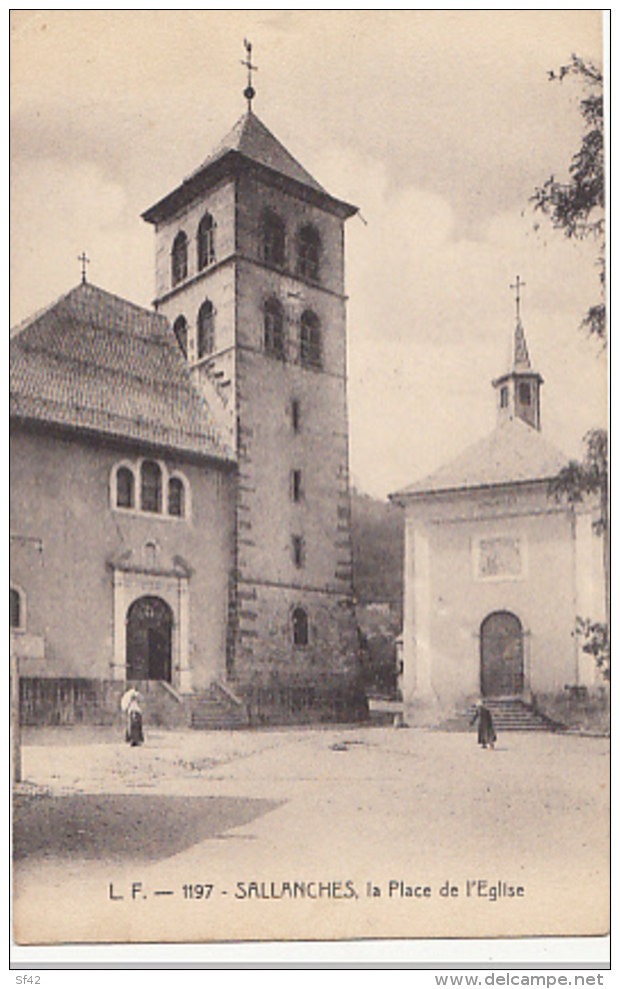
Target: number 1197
<point>198,891</point>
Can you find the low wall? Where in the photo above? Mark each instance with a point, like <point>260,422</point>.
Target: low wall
<point>47,701</point>
<point>301,700</point>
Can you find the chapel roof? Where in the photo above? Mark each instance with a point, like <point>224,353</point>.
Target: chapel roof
<point>513,453</point>
<point>249,142</point>
<point>96,363</point>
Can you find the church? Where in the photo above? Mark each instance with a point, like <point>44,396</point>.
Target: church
<point>497,571</point>
<point>179,475</point>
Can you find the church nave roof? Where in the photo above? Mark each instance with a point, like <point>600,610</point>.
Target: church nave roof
<point>95,362</point>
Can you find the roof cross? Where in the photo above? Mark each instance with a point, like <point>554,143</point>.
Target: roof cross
<point>249,92</point>
<point>517,287</point>
<point>84,261</point>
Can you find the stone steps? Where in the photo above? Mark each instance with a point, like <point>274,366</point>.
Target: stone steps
<point>509,714</point>
<point>515,715</point>
<point>217,708</point>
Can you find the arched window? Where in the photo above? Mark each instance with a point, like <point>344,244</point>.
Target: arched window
<point>15,608</point>
<point>206,241</point>
<point>179,258</point>
<point>176,497</point>
<point>180,332</point>
<point>124,488</point>
<point>272,238</point>
<point>150,487</point>
<point>300,627</point>
<point>274,328</point>
<point>206,329</point>
<point>310,342</point>
<point>309,253</point>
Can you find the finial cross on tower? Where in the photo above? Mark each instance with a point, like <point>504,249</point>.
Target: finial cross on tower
<point>84,261</point>
<point>518,285</point>
<point>249,92</point>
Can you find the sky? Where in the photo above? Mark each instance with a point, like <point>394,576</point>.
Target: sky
<point>439,125</point>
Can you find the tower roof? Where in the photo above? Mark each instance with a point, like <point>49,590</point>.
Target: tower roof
<point>521,358</point>
<point>519,361</point>
<point>248,144</point>
<point>95,363</point>
<point>250,138</point>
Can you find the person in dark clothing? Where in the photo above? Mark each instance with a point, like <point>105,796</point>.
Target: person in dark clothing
<point>486,729</point>
<point>130,704</point>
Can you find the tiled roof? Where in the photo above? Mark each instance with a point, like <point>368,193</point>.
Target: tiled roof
<point>513,453</point>
<point>94,362</point>
<point>253,140</point>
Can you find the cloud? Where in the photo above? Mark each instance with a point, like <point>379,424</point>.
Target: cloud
<point>431,317</point>
<point>61,209</point>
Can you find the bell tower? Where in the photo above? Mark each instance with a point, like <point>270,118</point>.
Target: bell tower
<point>518,390</point>
<point>250,273</point>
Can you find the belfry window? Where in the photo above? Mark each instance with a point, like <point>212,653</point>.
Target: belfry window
<point>310,340</point>
<point>150,487</point>
<point>124,488</point>
<point>300,627</point>
<point>180,332</point>
<point>179,258</point>
<point>525,393</point>
<point>274,328</point>
<point>503,397</point>
<point>206,329</point>
<point>309,253</point>
<point>273,237</point>
<point>206,242</point>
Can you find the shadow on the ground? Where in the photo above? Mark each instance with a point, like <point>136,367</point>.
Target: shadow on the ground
<point>115,827</point>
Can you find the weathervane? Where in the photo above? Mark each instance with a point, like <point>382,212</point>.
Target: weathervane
<point>84,261</point>
<point>249,92</point>
<point>517,287</point>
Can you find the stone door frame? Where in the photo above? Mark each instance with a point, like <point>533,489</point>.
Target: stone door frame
<point>173,589</point>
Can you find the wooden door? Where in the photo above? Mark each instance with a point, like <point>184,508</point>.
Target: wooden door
<point>501,655</point>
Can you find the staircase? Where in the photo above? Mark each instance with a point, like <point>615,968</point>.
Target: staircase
<point>512,714</point>
<point>218,708</point>
<point>509,714</point>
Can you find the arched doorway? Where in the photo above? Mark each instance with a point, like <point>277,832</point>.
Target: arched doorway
<point>501,655</point>
<point>149,640</point>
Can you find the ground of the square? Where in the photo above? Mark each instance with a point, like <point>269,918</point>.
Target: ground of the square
<point>327,833</point>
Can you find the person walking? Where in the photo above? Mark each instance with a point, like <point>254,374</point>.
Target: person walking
<point>486,729</point>
<point>131,705</point>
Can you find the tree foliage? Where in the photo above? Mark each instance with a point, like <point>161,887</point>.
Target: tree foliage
<point>588,477</point>
<point>595,638</point>
<point>577,206</point>
<point>576,481</point>
<point>377,533</point>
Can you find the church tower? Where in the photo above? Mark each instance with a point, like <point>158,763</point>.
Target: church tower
<point>518,390</point>
<point>250,274</point>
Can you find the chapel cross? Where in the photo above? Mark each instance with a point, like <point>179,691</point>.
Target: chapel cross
<point>249,92</point>
<point>517,287</point>
<point>84,260</point>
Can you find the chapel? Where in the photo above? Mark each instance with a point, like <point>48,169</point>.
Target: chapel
<point>179,475</point>
<point>497,571</point>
